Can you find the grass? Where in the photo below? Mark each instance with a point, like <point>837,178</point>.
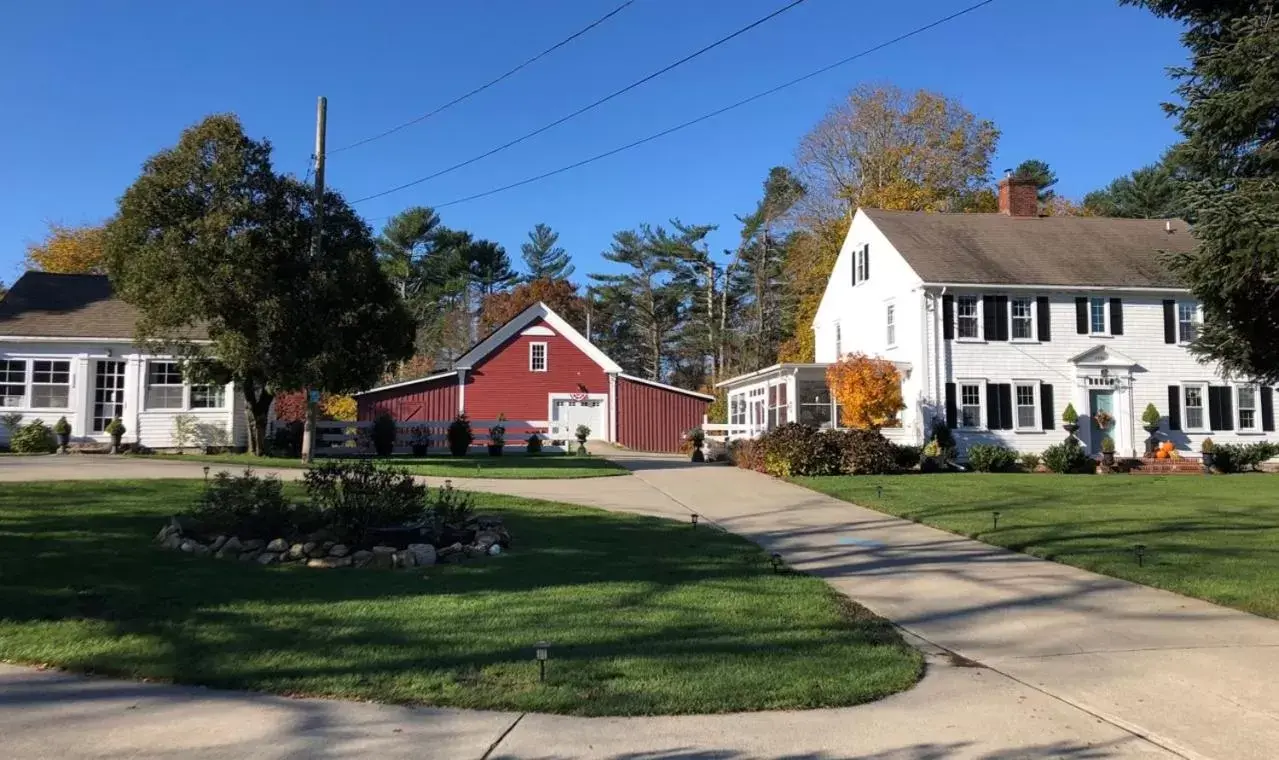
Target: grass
<point>645,616</point>
<point>1215,538</point>
<point>477,465</point>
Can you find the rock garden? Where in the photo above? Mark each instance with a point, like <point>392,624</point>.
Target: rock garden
<point>354,514</point>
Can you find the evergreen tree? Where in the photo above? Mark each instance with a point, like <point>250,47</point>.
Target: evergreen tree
<point>543,259</point>
<point>643,296</point>
<point>1151,192</point>
<point>1043,176</point>
<point>406,238</point>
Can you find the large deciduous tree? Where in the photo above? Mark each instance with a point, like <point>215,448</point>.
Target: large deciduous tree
<point>867,389</point>
<point>560,295</point>
<point>210,238</point>
<point>543,258</point>
<point>1229,116</point>
<point>68,250</point>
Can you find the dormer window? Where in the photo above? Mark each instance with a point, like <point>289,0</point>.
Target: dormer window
<point>537,357</point>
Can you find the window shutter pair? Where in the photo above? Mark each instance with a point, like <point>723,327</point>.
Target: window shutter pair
<point>999,406</point>
<point>1083,320</point>
<point>1170,321</point>
<point>995,317</point>
<point>1221,415</point>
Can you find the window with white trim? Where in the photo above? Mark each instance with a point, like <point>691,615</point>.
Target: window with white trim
<point>537,357</point>
<point>890,320</point>
<point>13,382</point>
<point>164,385</point>
<point>1193,406</point>
<point>1097,316</point>
<point>967,317</point>
<point>1247,404</point>
<point>862,254</point>
<point>736,410</point>
<point>50,384</point>
<point>208,396</point>
<point>1023,318</point>
<point>1187,322</point>
<point>1027,403</point>
<point>970,405</point>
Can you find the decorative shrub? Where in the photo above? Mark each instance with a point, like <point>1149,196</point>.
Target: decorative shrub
<point>1234,457</point>
<point>906,457</point>
<point>746,454</point>
<point>1069,415</point>
<point>248,506</point>
<point>1151,416</point>
<point>33,438</point>
<point>286,441</point>
<point>986,457</point>
<point>115,428</point>
<point>794,449</point>
<point>1068,457</point>
<point>460,436</point>
<point>865,452</point>
<point>497,433</point>
<point>353,498</point>
<point>1030,461</point>
<point>447,513</point>
<point>11,422</point>
<point>932,449</point>
<point>535,444</point>
<point>945,439</point>
<point>583,432</point>
<point>1207,446</point>
<point>383,434</point>
<point>1107,445</point>
<point>62,427</point>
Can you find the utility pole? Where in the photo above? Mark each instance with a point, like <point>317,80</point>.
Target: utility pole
<point>317,241</point>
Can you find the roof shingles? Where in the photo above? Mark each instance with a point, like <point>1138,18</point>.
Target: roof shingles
<point>45,305</point>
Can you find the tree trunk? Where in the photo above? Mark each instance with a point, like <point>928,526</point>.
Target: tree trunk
<point>257,405</point>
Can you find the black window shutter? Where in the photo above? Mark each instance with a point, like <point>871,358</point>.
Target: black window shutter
<point>1049,418</point>
<point>1226,395</point>
<point>1116,316</point>
<point>1001,317</point>
<point>866,253</point>
<point>1006,406</point>
<point>1174,407</point>
<point>990,326</point>
<point>1045,319</point>
<point>853,275</point>
<point>992,407</point>
<point>1267,408</point>
<point>950,406</point>
<point>1170,321</point>
<point>948,317</point>
<point>1081,316</point>
<point>1214,408</point>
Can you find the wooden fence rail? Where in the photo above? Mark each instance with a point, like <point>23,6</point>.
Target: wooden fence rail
<point>343,439</point>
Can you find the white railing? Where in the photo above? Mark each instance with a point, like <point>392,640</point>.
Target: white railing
<point>724,433</point>
<point>335,438</point>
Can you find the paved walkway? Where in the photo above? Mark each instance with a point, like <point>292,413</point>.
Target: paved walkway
<point>1047,662</point>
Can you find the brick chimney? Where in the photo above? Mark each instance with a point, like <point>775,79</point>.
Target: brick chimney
<point>1018,197</point>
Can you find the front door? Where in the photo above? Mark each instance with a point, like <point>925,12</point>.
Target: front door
<point>1100,401</point>
<point>569,413</point>
<point>108,393</point>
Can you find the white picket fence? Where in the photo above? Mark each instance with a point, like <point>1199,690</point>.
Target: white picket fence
<point>345,439</point>
<point>724,433</point>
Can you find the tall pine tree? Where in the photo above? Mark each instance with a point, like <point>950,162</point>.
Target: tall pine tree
<point>543,259</point>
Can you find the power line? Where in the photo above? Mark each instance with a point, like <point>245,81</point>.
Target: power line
<point>717,112</point>
<point>583,109</point>
<point>489,84</point>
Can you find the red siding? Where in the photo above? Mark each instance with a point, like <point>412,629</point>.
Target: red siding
<point>655,419</point>
<point>503,384</point>
<point>429,401</point>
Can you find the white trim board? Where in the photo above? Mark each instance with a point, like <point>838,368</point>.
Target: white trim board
<point>403,383</point>
<point>512,328</point>
<point>664,386</point>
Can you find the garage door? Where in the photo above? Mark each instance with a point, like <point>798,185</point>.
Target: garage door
<point>567,414</point>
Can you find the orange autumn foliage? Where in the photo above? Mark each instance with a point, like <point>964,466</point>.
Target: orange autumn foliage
<point>68,250</point>
<point>867,389</point>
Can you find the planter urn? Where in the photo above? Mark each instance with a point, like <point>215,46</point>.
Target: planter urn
<point>115,443</point>
<point>1207,462</point>
<point>1108,458</point>
<point>64,440</point>
<point>495,449</point>
<point>1152,443</point>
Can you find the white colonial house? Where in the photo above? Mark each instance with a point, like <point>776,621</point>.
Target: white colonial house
<point>998,321</point>
<point>66,350</point>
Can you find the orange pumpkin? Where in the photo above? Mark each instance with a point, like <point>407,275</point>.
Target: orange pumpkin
<point>1166,446</point>
<point>1161,454</point>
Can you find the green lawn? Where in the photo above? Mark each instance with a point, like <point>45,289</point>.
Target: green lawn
<point>1216,538</point>
<point>645,616</point>
<point>477,465</point>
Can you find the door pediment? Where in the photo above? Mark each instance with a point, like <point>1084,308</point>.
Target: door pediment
<point>1103,356</point>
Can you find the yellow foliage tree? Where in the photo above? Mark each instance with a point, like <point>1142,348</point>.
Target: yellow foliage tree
<point>867,389</point>
<point>810,256</point>
<point>338,407</point>
<point>68,250</point>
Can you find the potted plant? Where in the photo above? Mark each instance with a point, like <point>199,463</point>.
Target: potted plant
<point>497,436</point>
<point>116,429</point>
<point>1206,450</point>
<point>383,434</point>
<point>1108,451</point>
<point>62,429</point>
<point>698,438</point>
<point>932,459</point>
<point>421,442</point>
<point>535,444</point>
<point>460,436</point>
<point>582,432</point>
<point>1150,423</point>
<point>1070,421</point>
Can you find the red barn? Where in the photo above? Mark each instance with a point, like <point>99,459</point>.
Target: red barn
<point>537,368</point>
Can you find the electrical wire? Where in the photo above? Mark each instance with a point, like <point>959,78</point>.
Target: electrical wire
<point>717,112</point>
<point>487,85</point>
<point>583,109</point>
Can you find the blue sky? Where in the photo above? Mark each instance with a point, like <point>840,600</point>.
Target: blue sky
<point>91,89</point>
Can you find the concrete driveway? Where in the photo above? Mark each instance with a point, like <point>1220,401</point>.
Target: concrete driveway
<point>1027,658</point>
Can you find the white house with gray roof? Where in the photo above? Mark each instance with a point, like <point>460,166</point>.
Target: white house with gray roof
<point>998,321</point>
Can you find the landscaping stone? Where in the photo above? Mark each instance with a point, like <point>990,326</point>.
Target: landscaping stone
<point>188,545</point>
<point>328,546</point>
<point>339,550</point>
<point>250,555</point>
<point>405,558</point>
<point>232,545</point>
<point>174,541</point>
<point>223,553</point>
<point>254,543</point>
<point>296,552</point>
<point>453,549</point>
<point>423,554</point>
<point>486,538</point>
<point>361,558</point>
<point>383,557</point>
<point>314,549</point>
<point>329,562</point>
<point>278,545</point>
<point>268,558</point>
<point>166,532</point>
<point>218,543</point>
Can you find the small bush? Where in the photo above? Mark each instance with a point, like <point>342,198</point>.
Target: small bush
<point>795,450</point>
<point>1236,457</point>
<point>497,433</point>
<point>62,427</point>
<point>383,434</point>
<point>115,428</point>
<point>1107,445</point>
<point>1068,457</point>
<point>906,457</point>
<point>460,436</point>
<point>248,506</point>
<point>1207,446</point>
<point>1069,415</point>
<point>33,438</point>
<point>1151,416</point>
<point>286,441</point>
<point>746,454</point>
<point>183,429</point>
<point>447,512</point>
<point>865,452</point>
<point>583,432</point>
<point>1030,461</point>
<point>535,444</point>
<point>985,457</point>
<point>353,498</point>
<point>945,439</point>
